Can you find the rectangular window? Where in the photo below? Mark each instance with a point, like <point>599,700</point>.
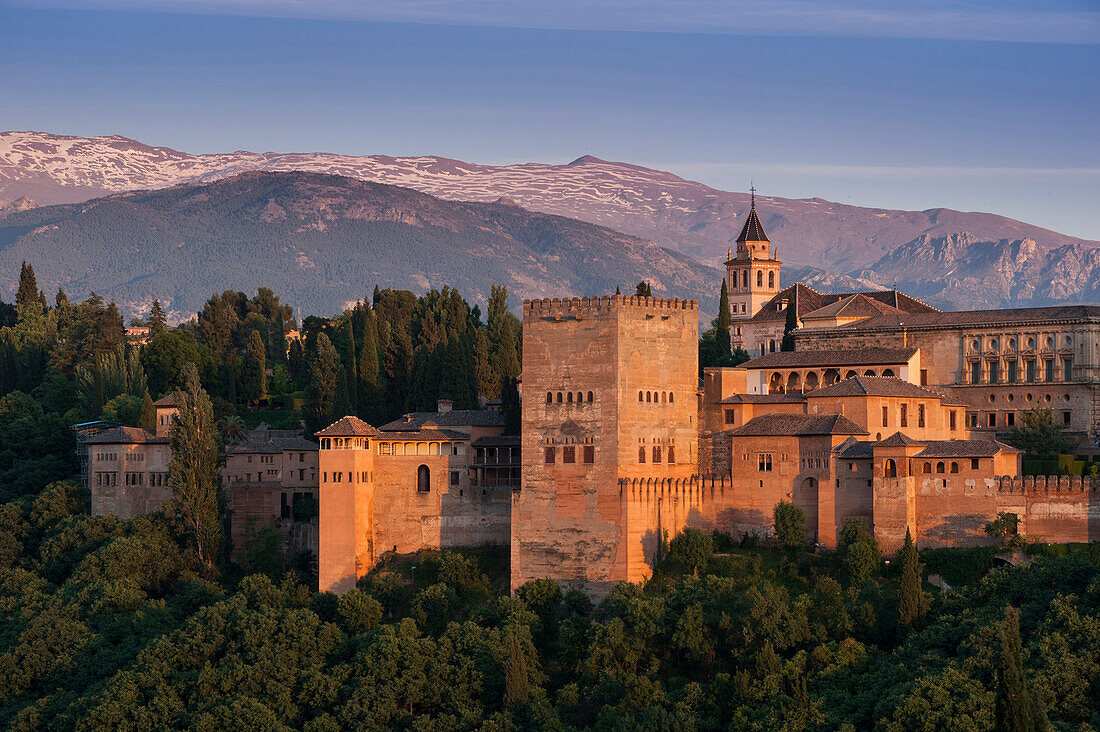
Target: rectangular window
<point>1048,369</point>
<point>885,416</point>
<point>1067,369</point>
<point>920,415</point>
<point>1010,419</point>
<point>671,455</point>
<point>454,477</point>
<point>1065,417</point>
<point>656,454</point>
<point>992,419</point>
<point>589,454</point>
<point>549,456</point>
<point>1029,368</point>
<point>973,419</point>
<point>973,463</point>
<point>641,455</point>
<point>851,466</point>
<point>904,415</point>
<point>569,454</point>
<point>994,372</point>
<point>764,462</point>
<point>1012,376</point>
<point>924,377</point>
<point>975,372</point>
<point>731,416</point>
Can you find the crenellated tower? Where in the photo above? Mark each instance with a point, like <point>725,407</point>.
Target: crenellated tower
<point>752,274</point>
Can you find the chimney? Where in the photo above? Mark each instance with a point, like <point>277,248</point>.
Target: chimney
<point>443,406</point>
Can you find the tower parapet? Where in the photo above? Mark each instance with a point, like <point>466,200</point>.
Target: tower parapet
<point>597,305</point>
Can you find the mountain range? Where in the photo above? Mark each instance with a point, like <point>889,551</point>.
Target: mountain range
<point>964,259</point>
<point>321,242</point>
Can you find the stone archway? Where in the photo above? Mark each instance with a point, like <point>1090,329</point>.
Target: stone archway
<point>811,381</point>
<point>794,383</point>
<point>775,384</point>
<point>830,377</point>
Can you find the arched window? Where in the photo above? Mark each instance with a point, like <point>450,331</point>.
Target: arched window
<point>423,479</point>
<point>869,372</point>
<point>927,470</point>
<point>649,396</point>
<point>759,278</point>
<point>850,374</point>
<point>589,397</point>
<point>890,468</point>
<point>771,280</point>
<point>745,278</point>
<point>549,398</point>
<point>954,467</point>
<point>639,396</point>
<point>641,454</point>
<point>771,346</point>
<point>559,397</point>
<point>940,467</point>
<point>887,372</point>
<point>664,397</point>
<point>671,397</point>
<point>580,397</point>
<point>569,397</point>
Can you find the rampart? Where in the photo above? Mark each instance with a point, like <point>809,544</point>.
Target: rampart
<point>565,307</point>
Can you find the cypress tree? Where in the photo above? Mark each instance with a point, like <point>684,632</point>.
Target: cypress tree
<point>506,362</point>
<point>912,602</point>
<point>722,326</point>
<point>28,287</point>
<point>278,340</point>
<point>197,502</point>
<point>488,382</point>
<point>254,374</point>
<point>791,323</point>
<point>324,376</point>
<point>61,300</point>
<point>510,405</point>
<point>351,363</point>
<point>295,359</point>
<point>369,388</point>
<point>341,403</point>
<point>158,322</point>
<point>1016,709</point>
<point>643,289</point>
<point>516,678</point>
<point>148,419</point>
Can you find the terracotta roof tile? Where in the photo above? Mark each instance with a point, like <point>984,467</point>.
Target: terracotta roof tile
<point>126,436</point>
<point>453,418</point>
<point>964,448</point>
<point>832,357</point>
<point>781,425</point>
<point>348,427</point>
<point>888,386</point>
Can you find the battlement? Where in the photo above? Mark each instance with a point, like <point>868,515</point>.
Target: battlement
<point>1048,484</point>
<point>694,486</point>
<point>579,307</point>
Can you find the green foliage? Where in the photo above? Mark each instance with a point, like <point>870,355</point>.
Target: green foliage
<point>791,322</point>
<point>1038,434</point>
<point>358,611</point>
<point>166,356</point>
<point>790,525</point>
<point>36,447</point>
<point>912,600</point>
<point>124,409</point>
<point>1017,709</point>
<point>254,371</point>
<point>643,289</point>
<point>691,548</point>
<point>1004,527</point>
<point>722,326</point>
<point>147,419</point>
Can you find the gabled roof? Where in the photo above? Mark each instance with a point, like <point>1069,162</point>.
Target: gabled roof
<point>853,449</point>
<point>426,433</point>
<point>271,445</point>
<point>753,230</point>
<point>764,399</point>
<point>858,305</point>
<point>798,425</point>
<point>807,300</point>
<point>981,318</point>
<point>837,358</point>
<point>899,439</point>
<point>888,386</point>
<point>166,401</point>
<point>964,448</point>
<point>348,427</point>
<point>126,436</point>
<point>453,418</point>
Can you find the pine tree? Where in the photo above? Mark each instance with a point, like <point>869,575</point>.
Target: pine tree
<point>722,326</point>
<point>912,601</point>
<point>28,287</point>
<point>254,373</point>
<point>197,503</point>
<point>61,300</point>
<point>148,419</point>
<point>1017,710</point>
<point>158,321</point>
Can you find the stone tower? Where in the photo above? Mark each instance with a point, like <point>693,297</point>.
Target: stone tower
<point>609,397</point>
<point>345,548</point>
<point>752,274</point>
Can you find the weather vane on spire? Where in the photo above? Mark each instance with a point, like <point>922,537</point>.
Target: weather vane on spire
<point>752,190</point>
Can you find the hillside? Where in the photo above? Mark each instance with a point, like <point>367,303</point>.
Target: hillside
<point>321,241</point>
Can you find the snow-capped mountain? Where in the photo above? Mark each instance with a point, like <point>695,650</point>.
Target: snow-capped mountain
<point>651,204</point>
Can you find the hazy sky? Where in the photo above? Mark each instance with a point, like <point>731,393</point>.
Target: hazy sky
<point>973,106</point>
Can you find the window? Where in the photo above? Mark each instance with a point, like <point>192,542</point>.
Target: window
<point>648,397</point>
<point>951,419</point>
<point>744,283</point>
<point>569,397</point>
<point>671,398</point>
<point>764,462</point>
<point>1012,374</point>
<point>550,456</point>
<point>731,416</point>
<point>641,455</point>
<point>549,398</point>
<point>639,396</point>
<point>992,419</point>
<point>1010,419</point>
<point>559,397</point>
<point>1065,417</point>
<point>671,454</point>
<point>885,416</point>
<point>852,467</point>
<point>454,477</point>
<point>423,479</point>
<point>994,372</point>
<point>940,468</point>
<point>589,397</point>
<point>569,454</point>
<point>927,469</point>
<point>954,467</point>
<point>1067,369</point>
<point>1029,368</point>
<point>973,463</point>
<point>904,418</point>
<point>975,372</point>
<point>890,468</point>
<point>1048,369</point>
<point>589,454</point>
<point>973,418</point>
<point>924,377</point>
<point>759,278</point>
<point>771,280</point>
<point>920,415</point>
<point>656,454</point>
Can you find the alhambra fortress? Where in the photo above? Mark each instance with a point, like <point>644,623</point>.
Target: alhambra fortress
<point>886,410</point>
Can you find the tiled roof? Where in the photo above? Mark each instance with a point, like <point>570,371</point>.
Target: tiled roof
<point>852,306</point>
<point>807,300</point>
<point>270,445</point>
<point>348,427</point>
<point>126,436</point>
<point>498,441</point>
<point>764,399</point>
<point>753,230</point>
<point>899,439</point>
<point>888,386</point>
<point>166,401</point>
<point>453,418</point>
<point>780,425</point>
<point>425,434</point>
<point>964,448</point>
<point>832,357</point>
<point>983,318</point>
<point>853,449</point>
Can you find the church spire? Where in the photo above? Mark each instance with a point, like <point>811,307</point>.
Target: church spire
<point>753,229</point>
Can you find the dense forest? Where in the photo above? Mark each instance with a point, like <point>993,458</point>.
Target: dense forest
<point>143,623</point>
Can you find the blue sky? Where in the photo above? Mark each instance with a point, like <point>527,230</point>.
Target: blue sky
<point>974,106</point>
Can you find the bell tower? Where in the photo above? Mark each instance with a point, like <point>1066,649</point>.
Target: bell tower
<point>752,275</point>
